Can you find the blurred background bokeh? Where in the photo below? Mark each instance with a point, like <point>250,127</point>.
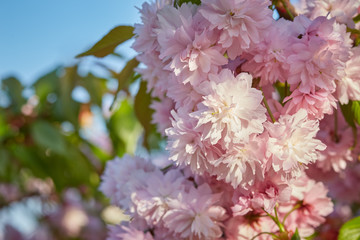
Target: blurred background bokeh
<point>56,127</point>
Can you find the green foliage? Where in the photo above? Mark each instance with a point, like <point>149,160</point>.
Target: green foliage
<point>296,235</point>
<point>14,91</point>
<point>350,230</point>
<point>180,2</point>
<point>356,18</point>
<point>125,77</point>
<point>144,113</point>
<point>351,112</point>
<point>48,137</point>
<point>109,42</point>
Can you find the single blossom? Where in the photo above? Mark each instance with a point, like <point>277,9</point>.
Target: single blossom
<point>241,22</point>
<point>196,215</point>
<point>292,144</point>
<point>232,111</point>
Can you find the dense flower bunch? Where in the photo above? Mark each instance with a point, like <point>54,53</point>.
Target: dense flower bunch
<point>250,109</point>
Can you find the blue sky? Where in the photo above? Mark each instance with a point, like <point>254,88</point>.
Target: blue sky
<point>36,36</point>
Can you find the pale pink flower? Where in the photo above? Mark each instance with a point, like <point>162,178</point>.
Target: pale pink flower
<point>267,59</point>
<point>315,103</point>
<point>242,163</point>
<point>154,74</point>
<point>248,226</point>
<point>345,187</point>
<point>232,111</point>
<point>292,143</point>
<point>313,206</point>
<point>262,195</point>
<point>196,215</point>
<point>191,52</point>
<point>145,36</point>
<point>123,176</point>
<point>348,88</point>
<point>342,10</point>
<point>184,95</point>
<point>161,115</point>
<point>242,22</point>
<point>318,53</point>
<point>152,201</point>
<point>337,154</point>
<point>118,232</point>
<point>186,146</point>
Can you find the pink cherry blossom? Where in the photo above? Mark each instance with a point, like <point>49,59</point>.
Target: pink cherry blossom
<point>232,111</point>
<point>152,200</point>
<point>146,39</point>
<point>292,143</point>
<point>268,59</point>
<point>241,21</point>
<point>186,146</point>
<point>127,233</point>
<point>161,116</point>
<point>313,206</point>
<point>342,10</point>
<point>196,215</point>
<point>191,53</point>
<point>318,54</point>
<point>348,88</point>
<point>316,104</point>
<point>122,177</point>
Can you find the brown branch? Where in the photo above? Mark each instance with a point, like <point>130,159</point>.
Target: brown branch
<point>285,9</point>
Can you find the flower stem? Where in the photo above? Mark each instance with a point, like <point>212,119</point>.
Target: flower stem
<point>268,108</point>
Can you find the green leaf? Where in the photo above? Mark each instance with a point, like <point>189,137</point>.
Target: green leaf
<point>356,18</point>
<point>109,42</point>
<point>180,2</point>
<point>14,89</point>
<point>143,111</point>
<point>353,30</point>
<point>355,108</point>
<point>348,113</point>
<point>96,87</point>
<point>48,137</point>
<point>46,84</point>
<point>350,230</point>
<point>296,235</point>
<point>351,113</point>
<point>125,76</point>
<point>123,128</point>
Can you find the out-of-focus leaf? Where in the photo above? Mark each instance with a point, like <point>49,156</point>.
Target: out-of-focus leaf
<point>351,112</point>
<point>123,126</point>
<point>49,137</point>
<point>46,84</point>
<point>4,162</point>
<point>356,18</point>
<point>296,235</point>
<point>144,113</point>
<point>4,127</point>
<point>14,90</point>
<point>180,2</point>
<point>350,230</point>
<point>348,113</point>
<point>65,108</point>
<point>125,75</point>
<point>96,88</point>
<point>355,108</point>
<point>29,159</point>
<point>109,42</point>
<point>353,30</point>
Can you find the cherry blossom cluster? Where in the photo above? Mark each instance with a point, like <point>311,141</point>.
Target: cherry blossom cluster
<point>249,106</point>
